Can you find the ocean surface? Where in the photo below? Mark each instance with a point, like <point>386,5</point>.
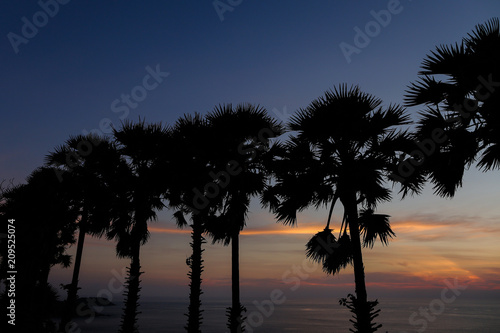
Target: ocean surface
<point>396,316</point>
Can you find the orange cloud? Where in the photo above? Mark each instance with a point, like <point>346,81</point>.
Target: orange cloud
<point>168,230</point>
<point>283,230</point>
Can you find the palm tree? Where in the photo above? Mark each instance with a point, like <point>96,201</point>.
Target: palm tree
<point>139,196</point>
<point>345,147</point>
<point>242,137</point>
<point>45,224</point>
<point>87,165</point>
<point>462,108</point>
<point>188,176</point>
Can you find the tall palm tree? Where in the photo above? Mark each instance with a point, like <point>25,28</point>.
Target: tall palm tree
<point>459,86</point>
<point>87,164</point>
<point>139,194</point>
<point>345,147</point>
<point>188,176</point>
<point>242,136</point>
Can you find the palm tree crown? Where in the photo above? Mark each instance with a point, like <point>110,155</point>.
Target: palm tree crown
<point>463,106</point>
<point>345,142</point>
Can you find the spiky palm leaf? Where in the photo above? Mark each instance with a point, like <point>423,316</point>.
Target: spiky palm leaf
<point>331,253</point>
<point>180,219</point>
<point>321,245</point>
<point>341,256</point>
<point>373,226</point>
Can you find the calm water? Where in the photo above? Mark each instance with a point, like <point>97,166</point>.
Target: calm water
<point>310,317</point>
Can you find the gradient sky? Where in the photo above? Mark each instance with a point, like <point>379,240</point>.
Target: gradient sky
<point>70,76</point>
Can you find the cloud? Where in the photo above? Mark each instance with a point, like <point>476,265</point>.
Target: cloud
<point>429,230</point>
<point>421,227</point>
<point>273,229</point>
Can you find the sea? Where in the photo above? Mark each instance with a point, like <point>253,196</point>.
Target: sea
<point>312,316</point>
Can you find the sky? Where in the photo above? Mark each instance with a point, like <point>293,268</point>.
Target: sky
<point>91,64</point>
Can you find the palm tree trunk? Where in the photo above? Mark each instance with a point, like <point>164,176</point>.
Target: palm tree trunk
<point>69,308</point>
<point>235,320</point>
<point>362,309</point>
<point>196,264</point>
<point>330,213</point>
<point>129,318</point>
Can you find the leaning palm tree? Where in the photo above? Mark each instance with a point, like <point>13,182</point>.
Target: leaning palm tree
<point>139,195</point>
<point>459,86</point>
<point>345,147</point>
<point>87,164</point>
<point>242,135</point>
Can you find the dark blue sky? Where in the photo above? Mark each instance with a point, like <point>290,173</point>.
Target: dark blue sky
<point>280,54</point>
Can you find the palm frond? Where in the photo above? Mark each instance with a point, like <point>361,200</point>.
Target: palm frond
<point>426,90</point>
<point>446,59</point>
<point>321,245</point>
<point>180,220</point>
<point>341,257</point>
<point>373,226</point>
<point>490,158</point>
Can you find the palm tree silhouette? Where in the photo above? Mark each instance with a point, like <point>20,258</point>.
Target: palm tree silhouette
<point>45,225</point>
<point>344,149</point>
<point>242,137</point>
<point>463,107</point>
<point>189,173</point>
<point>86,164</point>
<point>139,196</point>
